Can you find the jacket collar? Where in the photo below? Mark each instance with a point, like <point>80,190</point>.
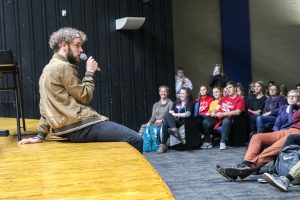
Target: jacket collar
<point>62,58</point>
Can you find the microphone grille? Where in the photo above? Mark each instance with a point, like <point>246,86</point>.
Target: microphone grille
<point>83,56</point>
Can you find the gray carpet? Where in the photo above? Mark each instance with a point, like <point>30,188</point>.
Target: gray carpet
<point>191,175</point>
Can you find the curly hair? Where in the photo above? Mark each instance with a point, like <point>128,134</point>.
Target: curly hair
<point>66,34</point>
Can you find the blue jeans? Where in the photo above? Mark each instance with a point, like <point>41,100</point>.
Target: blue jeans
<point>226,129</point>
<point>265,123</point>
<point>107,131</point>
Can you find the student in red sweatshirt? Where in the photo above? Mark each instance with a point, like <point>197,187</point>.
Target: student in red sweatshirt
<point>228,106</point>
<point>201,105</point>
<point>202,102</point>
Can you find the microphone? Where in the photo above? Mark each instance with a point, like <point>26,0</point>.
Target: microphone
<point>84,57</point>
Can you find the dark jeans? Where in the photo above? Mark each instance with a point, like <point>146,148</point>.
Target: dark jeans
<point>169,122</point>
<point>252,123</point>
<point>107,131</point>
<point>208,125</point>
<point>293,139</point>
<point>265,123</point>
<point>200,119</point>
<point>208,128</point>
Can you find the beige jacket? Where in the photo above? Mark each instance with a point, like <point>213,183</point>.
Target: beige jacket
<point>65,99</point>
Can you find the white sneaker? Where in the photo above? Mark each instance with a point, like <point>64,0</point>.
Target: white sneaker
<point>206,145</point>
<point>222,146</point>
<point>281,182</point>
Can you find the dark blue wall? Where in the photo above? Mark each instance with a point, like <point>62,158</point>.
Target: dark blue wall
<point>236,40</point>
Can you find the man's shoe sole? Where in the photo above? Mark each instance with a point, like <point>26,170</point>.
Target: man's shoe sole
<point>242,173</point>
<point>269,179</point>
<point>229,174</point>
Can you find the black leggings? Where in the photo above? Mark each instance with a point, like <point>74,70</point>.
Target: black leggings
<point>169,122</point>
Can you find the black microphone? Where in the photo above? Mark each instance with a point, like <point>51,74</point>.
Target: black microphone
<point>84,57</point>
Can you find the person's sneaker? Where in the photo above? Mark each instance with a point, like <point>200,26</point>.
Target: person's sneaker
<point>162,149</point>
<point>222,146</point>
<point>231,175</point>
<point>262,180</point>
<point>241,170</point>
<point>206,145</point>
<point>281,182</point>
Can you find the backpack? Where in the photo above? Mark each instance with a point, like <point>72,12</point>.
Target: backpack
<point>288,157</point>
<point>150,138</point>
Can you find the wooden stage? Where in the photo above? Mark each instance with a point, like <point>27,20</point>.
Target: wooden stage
<point>63,170</point>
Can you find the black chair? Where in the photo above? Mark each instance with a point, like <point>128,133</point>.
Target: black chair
<point>192,137</point>
<point>239,132</point>
<point>8,66</point>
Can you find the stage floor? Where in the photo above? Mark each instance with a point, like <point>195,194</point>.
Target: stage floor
<point>63,170</point>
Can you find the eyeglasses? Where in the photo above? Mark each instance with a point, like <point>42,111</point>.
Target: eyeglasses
<point>290,96</point>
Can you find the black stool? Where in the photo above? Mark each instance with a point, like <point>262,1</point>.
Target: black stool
<point>7,66</point>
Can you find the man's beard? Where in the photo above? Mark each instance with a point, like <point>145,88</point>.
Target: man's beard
<point>71,58</point>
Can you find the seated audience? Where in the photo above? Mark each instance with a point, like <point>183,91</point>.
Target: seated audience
<point>284,118</point>
<point>270,83</point>
<point>283,89</point>
<point>240,89</point>
<point>181,81</point>
<point>218,78</point>
<point>201,104</point>
<point>228,106</point>
<point>224,92</point>
<point>251,92</point>
<point>266,121</point>
<point>175,118</point>
<point>160,108</point>
<point>217,93</point>
<point>298,87</point>
<point>256,156</point>
<point>251,89</point>
<point>255,106</point>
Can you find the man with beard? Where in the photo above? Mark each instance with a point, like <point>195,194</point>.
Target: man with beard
<point>65,99</point>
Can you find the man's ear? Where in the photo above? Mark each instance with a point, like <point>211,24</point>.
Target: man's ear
<point>64,46</point>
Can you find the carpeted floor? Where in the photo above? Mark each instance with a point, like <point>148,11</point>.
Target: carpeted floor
<point>191,175</point>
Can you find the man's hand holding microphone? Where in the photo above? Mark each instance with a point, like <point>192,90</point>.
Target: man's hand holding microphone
<point>91,63</point>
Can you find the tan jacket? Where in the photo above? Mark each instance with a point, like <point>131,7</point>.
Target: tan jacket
<point>65,99</point>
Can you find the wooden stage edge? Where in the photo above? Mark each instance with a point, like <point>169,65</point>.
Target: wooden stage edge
<point>63,170</point>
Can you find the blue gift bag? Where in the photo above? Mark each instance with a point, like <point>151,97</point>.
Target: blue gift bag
<point>151,138</point>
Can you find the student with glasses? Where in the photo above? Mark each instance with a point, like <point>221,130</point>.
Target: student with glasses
<point>265,122</point>
<point>256,156</point>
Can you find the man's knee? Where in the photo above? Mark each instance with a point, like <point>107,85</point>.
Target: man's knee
<point>206,124</point>
<point>259,119</point>
<point>256,137</point>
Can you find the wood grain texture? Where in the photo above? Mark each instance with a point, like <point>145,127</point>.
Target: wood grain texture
<point>62,170</point>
